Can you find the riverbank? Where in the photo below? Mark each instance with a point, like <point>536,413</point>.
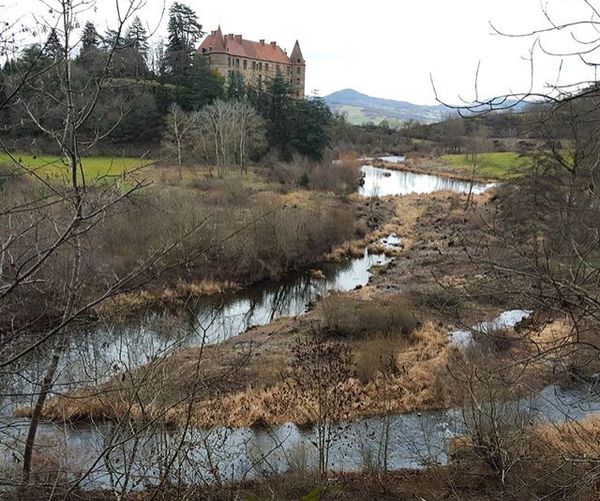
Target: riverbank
<point>431,167</point>
<point>435,484</point>
<point>185,236</point>
<point>489,167</point>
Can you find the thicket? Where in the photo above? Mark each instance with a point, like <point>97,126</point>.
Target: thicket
<point>223,232</point>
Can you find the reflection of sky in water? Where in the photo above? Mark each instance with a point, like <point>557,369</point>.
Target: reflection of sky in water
<point>393,159</point>
<point>415,439</point>
<point>94,356</point>
<point>384,182</point>
<point>505,320</point>
<point>291,297</point>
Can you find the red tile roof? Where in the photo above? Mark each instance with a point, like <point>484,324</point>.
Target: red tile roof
<point>237,46</point>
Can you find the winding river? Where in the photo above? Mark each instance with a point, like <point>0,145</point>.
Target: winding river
<point>222,453</point>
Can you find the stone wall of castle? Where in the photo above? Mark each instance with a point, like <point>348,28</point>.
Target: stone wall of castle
<point>256,72</point>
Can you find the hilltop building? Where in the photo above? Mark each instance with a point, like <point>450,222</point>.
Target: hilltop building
<point>257,62</point>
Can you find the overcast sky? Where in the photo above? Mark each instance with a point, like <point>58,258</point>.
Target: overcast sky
<point>389,48</point>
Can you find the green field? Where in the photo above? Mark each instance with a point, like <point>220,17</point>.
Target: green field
<point>94,168</point>
<point>490,165</point>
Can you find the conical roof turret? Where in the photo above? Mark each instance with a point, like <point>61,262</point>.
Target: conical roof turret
<point>297,57</point>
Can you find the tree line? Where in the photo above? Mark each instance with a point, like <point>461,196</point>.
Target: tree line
<point>145,79</point>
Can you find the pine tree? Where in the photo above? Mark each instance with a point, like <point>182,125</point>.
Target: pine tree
<point>236,87</point>
<point>184,31</point>
<point>112,40</point>
<point>90,56</point>
<point>89,38</point>
<point>202,85</point>
<point>53,48</point>
<point>136,39</point>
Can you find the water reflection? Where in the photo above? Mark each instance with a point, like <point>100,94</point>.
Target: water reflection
<point>230,316</point>
<point>134,461</point>
<point>384,182</point>
<point>393,159</point>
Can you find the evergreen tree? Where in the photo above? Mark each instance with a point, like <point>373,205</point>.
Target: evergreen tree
<point>136,39</point>
<point>236,87</point>
<point>275,105</point>
<point>113,39</point>
<point>293,125</point>
<point>90,56</point>
<point>202,85</point>
<point>184,31</point>
<point>53,49</point>
<point>90,38</point>
<point>311,127</point>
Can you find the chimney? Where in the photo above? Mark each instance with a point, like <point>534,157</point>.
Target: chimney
<point>274,45</point>
<point>238,38</point>
<point>231,36</point>
<point>213,33</point>
<point>262,41</point>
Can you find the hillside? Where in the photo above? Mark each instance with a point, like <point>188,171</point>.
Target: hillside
<point>361,108</point>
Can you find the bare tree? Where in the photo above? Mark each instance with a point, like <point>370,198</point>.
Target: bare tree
<point>225,130</point>
<point>320,367</point>
<point>180,129</point>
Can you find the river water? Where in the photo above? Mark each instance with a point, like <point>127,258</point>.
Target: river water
<point>133,462</point>
<point>384,182</point>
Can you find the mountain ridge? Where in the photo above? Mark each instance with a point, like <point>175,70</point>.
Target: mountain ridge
<point>361,108</point>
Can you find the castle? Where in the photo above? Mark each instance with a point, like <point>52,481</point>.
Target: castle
<point>257,62</point>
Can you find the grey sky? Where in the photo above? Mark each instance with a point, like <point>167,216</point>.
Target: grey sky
<point>389,48</point>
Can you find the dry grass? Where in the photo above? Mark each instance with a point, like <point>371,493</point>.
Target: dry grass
<point>415,386</point>
<point>575,439</point>
<point>347,317</point>
<point>132,302</point>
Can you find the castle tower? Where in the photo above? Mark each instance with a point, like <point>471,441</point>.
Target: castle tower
<point>298,70</point>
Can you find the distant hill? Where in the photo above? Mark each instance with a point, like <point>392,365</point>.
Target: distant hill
<point>360,108</point>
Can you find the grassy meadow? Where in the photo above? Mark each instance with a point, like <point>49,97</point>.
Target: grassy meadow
<point>94,168</point>
<point>496,165</point>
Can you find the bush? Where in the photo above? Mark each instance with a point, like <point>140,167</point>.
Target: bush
<point>347,317</point>
<point>442,299</point>
<point>340,177</point>
<point>304,181</point>
<point>376,355</point>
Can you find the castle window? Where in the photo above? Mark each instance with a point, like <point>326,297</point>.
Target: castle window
<point>237,63</point>
<point>289,70</point>
<point>259,66</point>
<point>229,61</point>
<point>278,69</point>
<point>253,65</point>
<point>245,64</point>
<point>267,66</point>
<point>298,71</point>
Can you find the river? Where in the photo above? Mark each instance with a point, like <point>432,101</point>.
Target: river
<point>95,355</point>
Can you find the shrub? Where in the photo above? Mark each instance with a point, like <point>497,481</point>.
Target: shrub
<point>442,299</point>
<point>376,354</point>
<point>304,181</point>
<point>346,317</point>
